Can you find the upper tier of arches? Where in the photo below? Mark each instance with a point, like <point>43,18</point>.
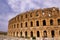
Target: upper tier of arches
<point>39,13</point>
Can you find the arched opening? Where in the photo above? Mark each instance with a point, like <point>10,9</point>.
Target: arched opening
<point>13,33</point>
<point>26,34</point>
<point>37,23</point>
<point>21,34</point>
<point>44,23</point>
<point>31,24</point>
<point>17,34</point>
<point>38,34</point>
<point>21,25</point>
<point>52,33</point>
<point>26,24</point>
<point>51,22</point>
<point>17,25</point>
<point>58,21</point>
<point>31,34</point>
<point>45,33</point>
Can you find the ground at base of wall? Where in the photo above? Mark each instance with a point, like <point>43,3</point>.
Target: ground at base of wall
<point>15,38</point>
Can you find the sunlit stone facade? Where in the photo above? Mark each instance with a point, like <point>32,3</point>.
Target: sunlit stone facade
<point>36,23</point>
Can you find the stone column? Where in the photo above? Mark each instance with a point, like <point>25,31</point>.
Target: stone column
<point>41,33</point>
<point>49,33</point>
<point>15,34</point>
<point>34,23</point>
<point>54,22</point>
<point>29,33</point>
<point>23,33</point>
<point>56,33</point>
<point>18,34</point>
<point>47,22</point>
<point>41,23</point>
<point>34,33</point>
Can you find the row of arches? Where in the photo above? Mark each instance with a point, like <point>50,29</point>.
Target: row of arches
<point>44,23</point>
<point>37,23</point>
<point>40,12</point>
<point>37,33</point>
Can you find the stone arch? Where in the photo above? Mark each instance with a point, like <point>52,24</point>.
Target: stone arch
<point>51,22</point>
<point>21,33</point>
<point>44,22</point>
<point>25,33</point>
<point>52,33</point>
<point>45,33</point>
<point>58,20</point>
<point>38,34</point>
<point>31,23</point>
<point>17,34</point>
<point>37,23</point>
<point>31,33</point>
<point>25,24</point>
<point>21,25</point>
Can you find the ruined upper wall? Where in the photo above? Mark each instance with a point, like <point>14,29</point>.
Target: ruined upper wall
<point>41,13</point>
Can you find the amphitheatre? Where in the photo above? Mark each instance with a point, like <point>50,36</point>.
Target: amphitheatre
<point>39,23</point>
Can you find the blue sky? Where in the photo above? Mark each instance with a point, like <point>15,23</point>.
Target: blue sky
<point>11,8</point>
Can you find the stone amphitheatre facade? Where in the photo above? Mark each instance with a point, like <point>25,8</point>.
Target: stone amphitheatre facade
<point>36,23</point>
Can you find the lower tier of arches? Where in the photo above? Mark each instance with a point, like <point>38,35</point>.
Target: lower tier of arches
<point>35,33</point>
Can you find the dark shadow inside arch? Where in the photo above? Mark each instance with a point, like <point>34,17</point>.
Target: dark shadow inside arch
<point>21,33</point>
<point>44,22</point>
<point>58,21</point>
<point>26,34</point>
<point>31,34</point>
<point>38,34</point>
<point>51,22</point>
<point>45,33</point>
<point>17,34</point>
<point>52,33</point>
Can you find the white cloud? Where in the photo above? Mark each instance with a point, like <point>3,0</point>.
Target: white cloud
<point>20,5</point>
<point>23,5</point>
<point>52,3</point>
